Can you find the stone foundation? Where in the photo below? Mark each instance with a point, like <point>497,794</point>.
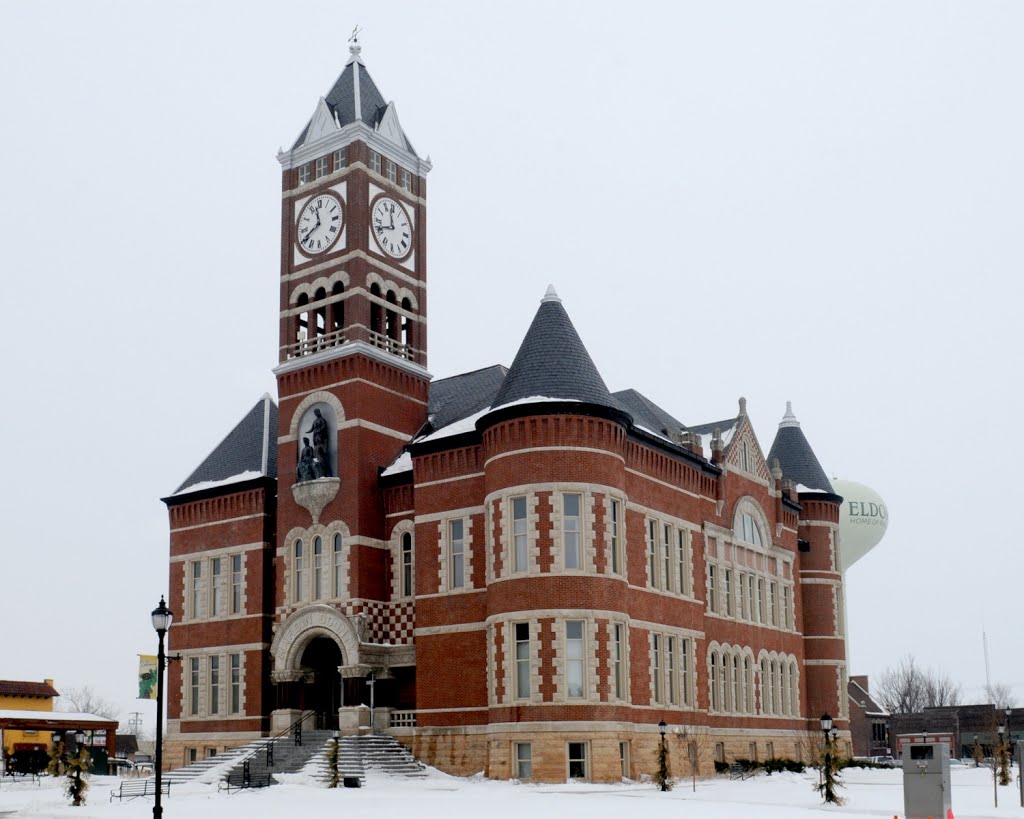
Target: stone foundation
<point>176,749</point>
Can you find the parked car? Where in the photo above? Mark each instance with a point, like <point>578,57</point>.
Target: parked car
<point>887,761</point>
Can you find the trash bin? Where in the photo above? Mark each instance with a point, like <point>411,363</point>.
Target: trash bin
<point>926,789</point>
<point>351,781</point>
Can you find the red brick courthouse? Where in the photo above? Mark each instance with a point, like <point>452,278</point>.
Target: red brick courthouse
<point>532,570</point>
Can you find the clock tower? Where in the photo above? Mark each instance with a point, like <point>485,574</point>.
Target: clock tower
<point>352,381</point>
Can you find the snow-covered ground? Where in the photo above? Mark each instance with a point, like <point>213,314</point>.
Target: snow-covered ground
<point>780,796</point>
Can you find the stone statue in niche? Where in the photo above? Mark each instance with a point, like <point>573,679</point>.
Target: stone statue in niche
<point>321,447</point>
<point>306,470</point>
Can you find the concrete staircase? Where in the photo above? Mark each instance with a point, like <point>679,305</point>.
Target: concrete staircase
<point>377,752</point>
<point>190,773</point>
<point>288,757</point>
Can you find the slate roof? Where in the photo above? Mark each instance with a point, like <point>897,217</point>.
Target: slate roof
<point>553,363</point>
<point>648,414</point>
<point>797,459</point>
<point>341,100</point>
<point>21,688</point>
<point>251,447</point>
<point>452,399</point>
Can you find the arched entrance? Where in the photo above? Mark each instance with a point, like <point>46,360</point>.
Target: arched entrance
<point>320,689</point>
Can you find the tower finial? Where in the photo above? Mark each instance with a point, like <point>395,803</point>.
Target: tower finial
<point>550,295</point>
<point>789,419</point>
<point>353,44</point>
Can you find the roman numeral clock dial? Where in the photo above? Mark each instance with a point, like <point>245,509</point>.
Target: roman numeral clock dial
<point>319,224</point>
<point>391,227</point>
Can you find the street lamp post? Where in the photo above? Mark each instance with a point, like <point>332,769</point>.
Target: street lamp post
<point>995,767</point>
<point>663,757</point>
<point>162,618</point>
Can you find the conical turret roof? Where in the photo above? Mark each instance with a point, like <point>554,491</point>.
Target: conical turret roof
<point>552,364</point>
<point>797,459</point>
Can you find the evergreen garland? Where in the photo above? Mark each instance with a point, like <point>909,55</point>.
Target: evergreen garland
<point>78,777</point>
<point>332,776</point>
<point>830,781</point>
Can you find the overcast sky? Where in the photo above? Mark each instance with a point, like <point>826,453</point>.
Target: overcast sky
<point>817,201</point>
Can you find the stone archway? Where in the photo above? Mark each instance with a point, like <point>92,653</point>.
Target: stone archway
<point>302,635</point>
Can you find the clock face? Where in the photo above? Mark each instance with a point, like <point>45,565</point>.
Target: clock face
<point>319,223</point>
<point>391,227</point>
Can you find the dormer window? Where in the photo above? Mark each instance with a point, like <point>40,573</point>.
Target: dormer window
<point>321,167</point>
<point>303,174</point>
<point>374,161</point>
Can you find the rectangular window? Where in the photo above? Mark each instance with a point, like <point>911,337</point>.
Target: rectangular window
<point>666,557</point>
<point>215,588</point>
<point>761,601</point>
<point>374,161</point>
<point>670,670</point>
<point>321,167</point>
<point>236,683</point>
<point>339,566</point>
<point>519,553</point>
<point>712,587</point>
<point>574,657</point>
<point>577,760</point>
<point>685,685</point>
<point>458,554</point>
<point>683,557</point>
<point>339,160</point>
<point>392,172</point>
<point>741,595</point>
<point>524,760</point>
<point>522,660</point>
<point>727,592</point>
<point>571,530</point>
<point>297,572</point>
<point>406,180</point>
<point>318,568</point>
<point>236,584</point>
<point>214,685</point>
<point>618,661</point>
<point>656,670</point>
<point>652,553</point>
<point>751,598</point>
<point>197,589</point>
<point>193,675</point>
<point>615,545</point>
<point>773,603</point>
<point>720,751</point>
<point>191,755</point>
<point>303,174</point>
<point>624,759</point>
<point>787,609</point>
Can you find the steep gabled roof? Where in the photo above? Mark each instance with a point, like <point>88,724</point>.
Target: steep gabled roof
<point>248,451</point>
<point>797,459</point>
<point>355,97</point>
<point>860,695</point>
<point>552,364</point>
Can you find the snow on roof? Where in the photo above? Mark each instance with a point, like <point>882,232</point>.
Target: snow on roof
<point>66,716</point>
<point>468,424</point>
<point>403,463</point>
<point>249,474</point>
<point>801,488</point>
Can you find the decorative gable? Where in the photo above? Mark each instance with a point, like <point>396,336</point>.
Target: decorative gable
<point>744,454</point>
<point>321,123</point>
<point>390,128</point>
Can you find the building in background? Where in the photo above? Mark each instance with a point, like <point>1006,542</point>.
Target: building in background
<point>21,695</point>
<point>869,721</point>
<point>522,571</point>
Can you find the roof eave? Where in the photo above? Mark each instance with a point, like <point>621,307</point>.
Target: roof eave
<point>261,481</point>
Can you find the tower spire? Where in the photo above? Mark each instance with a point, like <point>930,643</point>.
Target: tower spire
<point>354,49</point>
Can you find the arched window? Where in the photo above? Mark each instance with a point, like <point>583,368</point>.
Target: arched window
<point>723,683</point>
<point>794,689</point>
<point>784,686</point>
<point>766,682</point>
<point>394,330</point>
<point>737,678</point>
<point>318,568</point>
<point>302,324</point>
<point>320,297</point>
<point>297,572</point>
<point>776,687</point>
<point>406,323</point>
<point>748,676</point>
<point>407,565</point>
<point>338,574</point>
<point>337,308</point>
<point>749,532</point>
<point>376,311</point>
<point>714,680</point>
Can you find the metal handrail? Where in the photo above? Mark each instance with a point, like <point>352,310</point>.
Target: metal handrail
<point>268,746</point>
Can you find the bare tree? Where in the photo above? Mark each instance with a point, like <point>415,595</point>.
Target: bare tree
<point>1001,696</point>
<point>909,688</point>
<point>694,743</point>
<point>86,701</point>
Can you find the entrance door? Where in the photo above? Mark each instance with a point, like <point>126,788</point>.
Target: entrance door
<point>322,656</point>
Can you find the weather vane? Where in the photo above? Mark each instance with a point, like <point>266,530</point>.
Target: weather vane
<point>353,41</point>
